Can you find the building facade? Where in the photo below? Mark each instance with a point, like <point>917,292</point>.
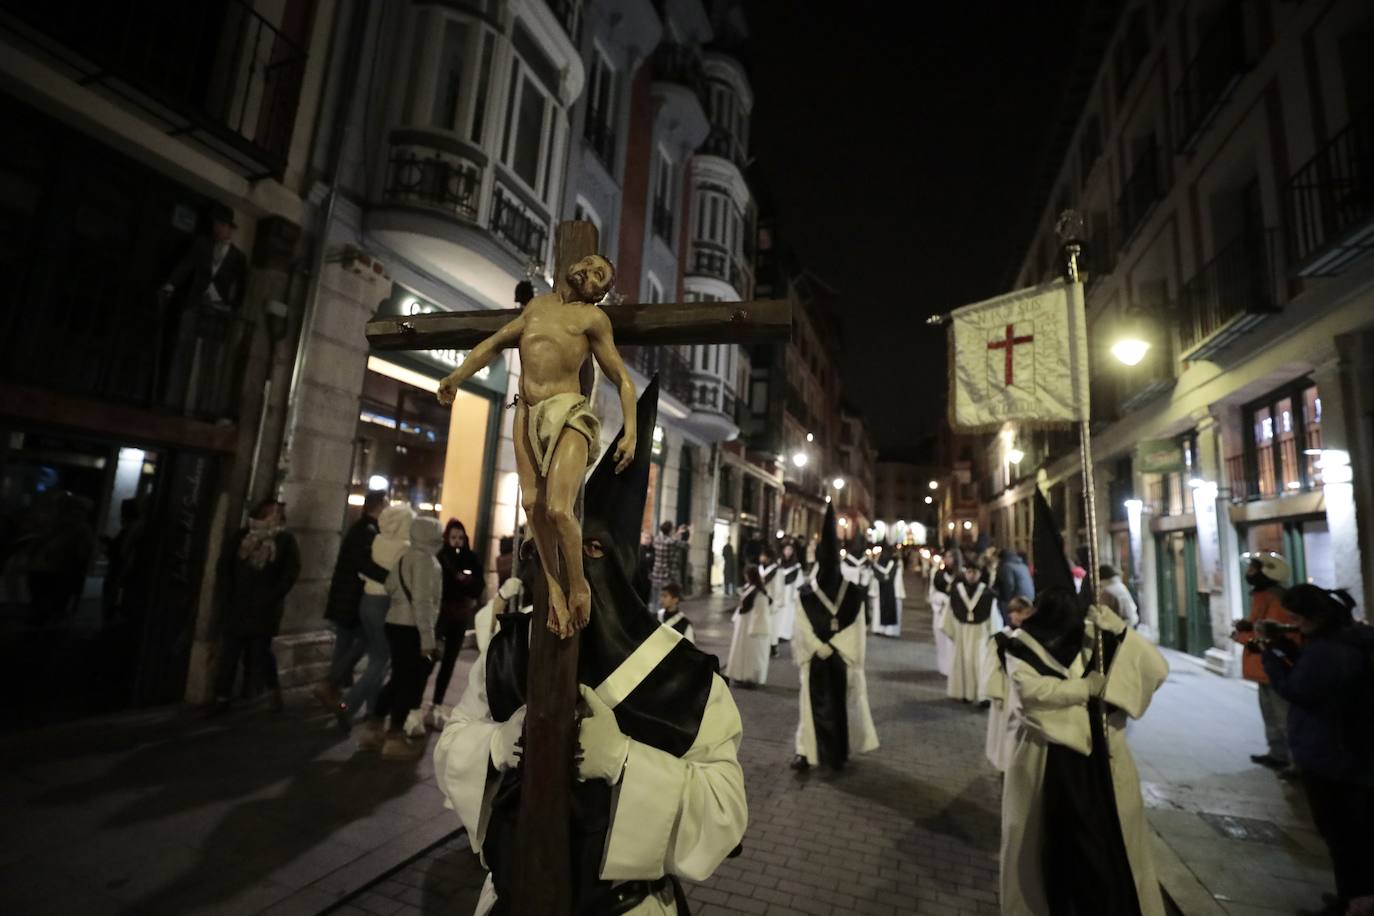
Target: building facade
<point>155,225</point>
<point>1220,160</point>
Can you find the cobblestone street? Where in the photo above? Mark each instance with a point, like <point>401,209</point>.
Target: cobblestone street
<point>910,828</point>
<point>165,812</point>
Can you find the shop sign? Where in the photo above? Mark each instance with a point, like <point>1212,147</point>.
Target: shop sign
<point>436,363</point>
<point>1159,456</point>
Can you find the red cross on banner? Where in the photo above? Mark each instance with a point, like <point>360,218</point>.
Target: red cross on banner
<point>1009,343</point>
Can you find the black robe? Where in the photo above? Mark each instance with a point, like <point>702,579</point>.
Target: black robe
<point>1085,866</point>
<point>829,677</point>
<point>887,593</point>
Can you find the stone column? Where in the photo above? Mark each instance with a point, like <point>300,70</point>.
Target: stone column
<point>1346,387</point>
<point>1209,508</point>
<point>315,485</point>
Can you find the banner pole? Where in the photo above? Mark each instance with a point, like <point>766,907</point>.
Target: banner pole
<point>1085,453</point>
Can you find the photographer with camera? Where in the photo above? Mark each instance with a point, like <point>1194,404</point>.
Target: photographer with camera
<point>1266,574</point>
<point>1328,683</point>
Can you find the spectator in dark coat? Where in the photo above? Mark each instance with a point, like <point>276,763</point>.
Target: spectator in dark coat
<point>257,569</point>
<point>345,594</point>
<point>461,596</point>
<point>1329,685</point>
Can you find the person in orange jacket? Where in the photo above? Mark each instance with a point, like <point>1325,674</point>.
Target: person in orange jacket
<point>1266,574</point>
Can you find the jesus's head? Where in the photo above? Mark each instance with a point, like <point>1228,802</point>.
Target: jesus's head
<point>591,277</point>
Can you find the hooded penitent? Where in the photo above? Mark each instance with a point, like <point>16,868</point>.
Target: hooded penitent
<point>1085,855</point>
<point>664,709</point>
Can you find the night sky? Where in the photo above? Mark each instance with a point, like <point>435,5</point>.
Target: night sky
<point>899,142</point>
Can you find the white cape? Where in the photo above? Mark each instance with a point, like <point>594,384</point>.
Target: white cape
<point>751,643</point>
<point>1046,709</point>
<point>670,815</point>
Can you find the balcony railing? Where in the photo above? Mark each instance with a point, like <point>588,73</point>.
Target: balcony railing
<point>711,260</point>
<point>429,177</point>
<point>1230,294</point>
<point>1139,195</point>
<point>674,372</point>
<point>514,224</point>
<point>681,64</point>
<point>569,15</point>
<point>600,136</point>
<point>1222,59</point>
<point>1277,471</point>
<point>721,142</point>
<point>218,73</point>
<point>1330,202</point>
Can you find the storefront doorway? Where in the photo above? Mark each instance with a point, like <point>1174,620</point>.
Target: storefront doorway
<point>1183,616</point>
<point>102,547</point>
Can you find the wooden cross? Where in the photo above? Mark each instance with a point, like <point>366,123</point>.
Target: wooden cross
<point>544,865</point>
<point>1009,344</point>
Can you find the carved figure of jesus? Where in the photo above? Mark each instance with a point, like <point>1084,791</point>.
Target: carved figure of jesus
<point>556,434</point>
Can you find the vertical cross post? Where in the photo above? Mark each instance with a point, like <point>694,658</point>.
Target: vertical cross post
<point>543,855</point>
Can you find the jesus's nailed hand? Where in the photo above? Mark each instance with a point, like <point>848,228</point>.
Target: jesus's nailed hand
<point>624,453</point>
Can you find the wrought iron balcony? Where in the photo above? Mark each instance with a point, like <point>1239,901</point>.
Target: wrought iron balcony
<point>433,171</point>
<point>674,372</point>
<point>1139,195</point>
<point>514,224</point>
<point>218,73</point>
<point>1330,202</point>
<point>429,177</point>
<point>1222,59</point>
<point>1230,294</point>
<point>1272,470</point>
<point>681,64</point>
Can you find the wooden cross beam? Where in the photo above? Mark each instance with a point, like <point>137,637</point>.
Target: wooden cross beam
<point>544,866</point>
<point>644,323</point>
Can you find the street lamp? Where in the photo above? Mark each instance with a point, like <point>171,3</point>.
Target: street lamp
<point>1014,455</point>
<point>929,500</point>
<point>968,526</point>
<point>378,482</point>
<point>810,437</point>
<point>799,459</point>
<point>934,485</point>
<point>838,483</point>
<point>1130,350</point>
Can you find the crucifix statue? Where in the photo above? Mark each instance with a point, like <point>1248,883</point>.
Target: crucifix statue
<point>556,438</point>
<point>556,433</point>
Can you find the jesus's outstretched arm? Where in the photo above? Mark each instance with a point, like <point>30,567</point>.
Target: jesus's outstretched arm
<point>480,357</point>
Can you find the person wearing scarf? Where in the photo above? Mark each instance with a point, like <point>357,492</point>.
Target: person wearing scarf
<point>462,594</point>
<point>259,565</point>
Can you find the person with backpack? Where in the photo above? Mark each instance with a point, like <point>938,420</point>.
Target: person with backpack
<point>1328,683</point>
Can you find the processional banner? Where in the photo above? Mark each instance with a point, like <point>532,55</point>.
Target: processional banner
<point>1020,357</point>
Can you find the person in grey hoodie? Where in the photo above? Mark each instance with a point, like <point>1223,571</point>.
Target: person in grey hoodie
<point>415,587</point>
